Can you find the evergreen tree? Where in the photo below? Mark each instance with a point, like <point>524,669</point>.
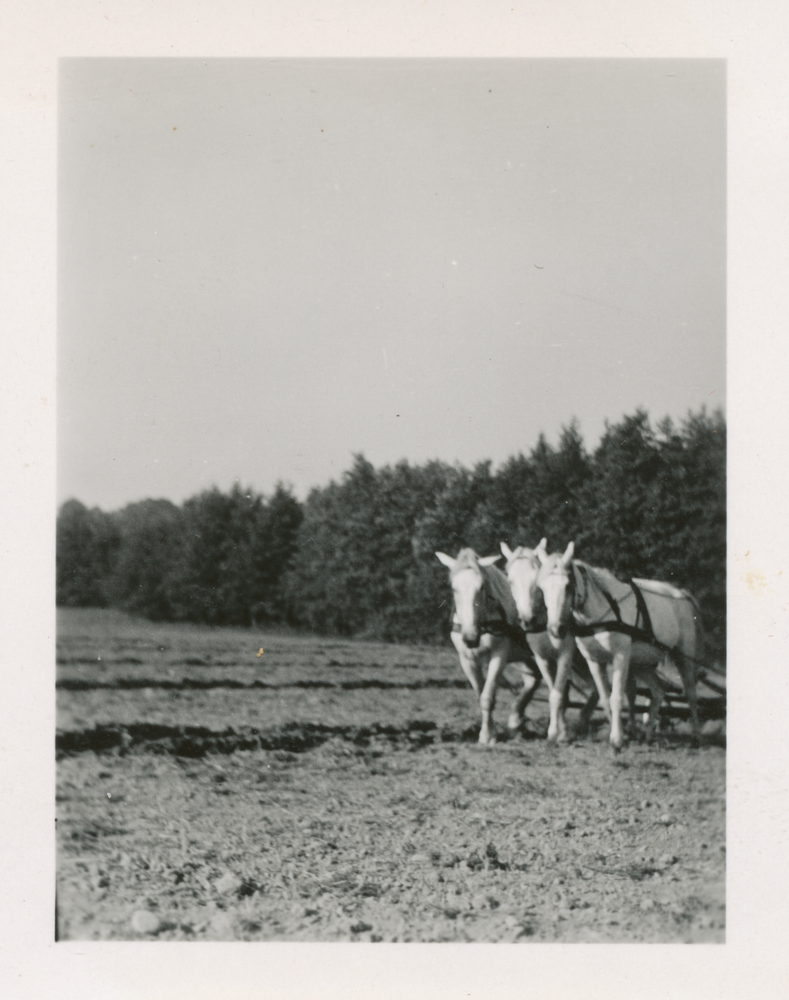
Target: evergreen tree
<point>543,495</point>
<point>277,525</point>
<point>86,546</point>
<point>354,572</point>
<point>619,504</point>
<point>238,590</point>
<point>150,542</point>
<point>358,557</point>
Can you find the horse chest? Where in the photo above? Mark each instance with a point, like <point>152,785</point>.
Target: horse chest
<point>541,645</point>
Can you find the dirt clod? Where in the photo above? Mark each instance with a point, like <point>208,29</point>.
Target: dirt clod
<point>145,922</point>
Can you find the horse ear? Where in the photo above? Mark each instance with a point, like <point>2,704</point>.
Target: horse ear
<point>488,560</point>
<point>542,548</point>
<point>506,551</point>
<point>568,554</point>
<point>448,561</point>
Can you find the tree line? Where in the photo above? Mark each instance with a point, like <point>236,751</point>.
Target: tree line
<point>357,557</point>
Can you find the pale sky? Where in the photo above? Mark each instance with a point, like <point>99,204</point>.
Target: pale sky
<point>268,265</point>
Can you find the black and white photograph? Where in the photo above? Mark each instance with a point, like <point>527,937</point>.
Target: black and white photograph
<point>391,540</point>
<point>392,406</point>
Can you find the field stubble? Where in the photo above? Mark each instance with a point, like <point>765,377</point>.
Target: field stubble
<point>328,791</point>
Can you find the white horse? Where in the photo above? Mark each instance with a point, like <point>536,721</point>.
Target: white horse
<point>559,661</point>
<point>646,623</point>
<point>484,633</point>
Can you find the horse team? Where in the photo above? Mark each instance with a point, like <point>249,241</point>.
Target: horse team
<point>558,619</point>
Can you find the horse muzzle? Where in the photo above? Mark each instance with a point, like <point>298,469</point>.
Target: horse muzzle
<point>472,641</point>
<point>557,631</point>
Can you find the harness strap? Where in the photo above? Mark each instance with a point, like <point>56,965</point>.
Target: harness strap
<point>645,634</point>
<point>502,627</point>
<point>643,611</point>
<point>493,627</point>
<point>638,634</point>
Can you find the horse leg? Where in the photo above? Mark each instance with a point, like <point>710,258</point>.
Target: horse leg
<point>585,717</point>
<point>531,681</point>
<point>487,702</point>
<point>657,693</point>
<point>557,729</point>
<point>470,665</point>
<point>561,697</point>
<point>631,691</point>
<point>473,672</point>
<point>619,671</point>
<point>597,670</point>
<point>687,671</point>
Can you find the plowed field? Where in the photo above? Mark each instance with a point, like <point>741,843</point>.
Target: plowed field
<point>225,784</point>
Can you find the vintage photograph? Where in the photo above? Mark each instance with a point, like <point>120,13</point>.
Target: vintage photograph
<point>391,500</point>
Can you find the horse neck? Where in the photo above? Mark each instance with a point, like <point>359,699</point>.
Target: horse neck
<point>595,604</point>
<point>498,588</point>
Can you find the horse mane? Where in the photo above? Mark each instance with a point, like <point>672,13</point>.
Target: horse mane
<point>467,559</point>
<point>663,588</point>
<point>500,589</point>
<point>606,580</point>
<point>617,589</point>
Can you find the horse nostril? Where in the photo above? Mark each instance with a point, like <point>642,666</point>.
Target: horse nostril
<point>471,641</point>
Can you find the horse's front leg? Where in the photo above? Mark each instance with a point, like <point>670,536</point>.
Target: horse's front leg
<point>499,654</point>
<point>598,672</point>
<point>631,692</point>
<point>585,717</point>
<point>559,695</point>
<point>469,664</point>
<point>619,671</point>
<point>657,693</point>
<point>531,681</point>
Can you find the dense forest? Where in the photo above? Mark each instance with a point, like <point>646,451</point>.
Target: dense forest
<point>357,557</point>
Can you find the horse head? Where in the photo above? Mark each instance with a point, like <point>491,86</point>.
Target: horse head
<point>555,580</point>
<point>468,586</point>
<point>523,567</point>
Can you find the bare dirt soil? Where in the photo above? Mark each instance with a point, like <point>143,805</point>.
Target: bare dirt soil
<point>330,791</point>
